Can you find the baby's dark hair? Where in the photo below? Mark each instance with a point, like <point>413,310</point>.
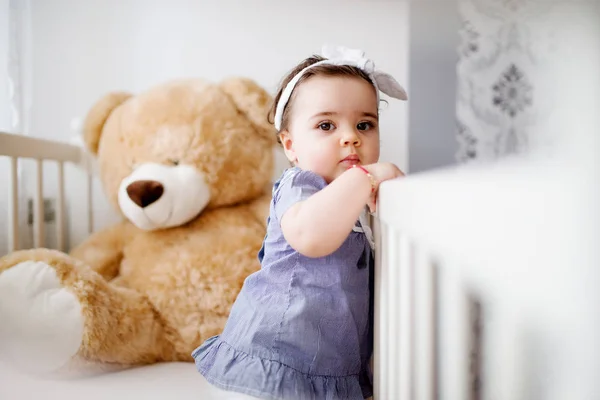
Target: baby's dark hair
<point>324,69</point>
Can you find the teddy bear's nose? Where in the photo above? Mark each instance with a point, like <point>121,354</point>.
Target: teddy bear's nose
<point>144,193</point>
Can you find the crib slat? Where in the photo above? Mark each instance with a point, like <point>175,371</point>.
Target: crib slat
<point>380,353</point>
<point>454,337</point>
<point>13,208</point>
<point>506,361</point>
<point>404,285</point>
<point>393,318</point>
<point>376,359</point>
<point>60,207</point>
<point>425,327</point>
<point>38,209</point>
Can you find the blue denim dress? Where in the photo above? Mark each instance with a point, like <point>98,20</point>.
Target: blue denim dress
<point>300,328</point>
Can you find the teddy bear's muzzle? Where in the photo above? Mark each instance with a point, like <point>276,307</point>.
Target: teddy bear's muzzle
<point>157,196</point>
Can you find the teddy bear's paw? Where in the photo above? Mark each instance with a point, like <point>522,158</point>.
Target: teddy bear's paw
<point>41,322</point>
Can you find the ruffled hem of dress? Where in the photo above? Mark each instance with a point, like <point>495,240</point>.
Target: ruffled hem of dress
<point>230,369</point>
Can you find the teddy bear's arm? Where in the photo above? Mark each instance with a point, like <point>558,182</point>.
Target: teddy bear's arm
<point>103,250</point>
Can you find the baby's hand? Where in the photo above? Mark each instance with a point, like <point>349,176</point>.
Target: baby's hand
<point>384,171</point>
<point>381,172</point>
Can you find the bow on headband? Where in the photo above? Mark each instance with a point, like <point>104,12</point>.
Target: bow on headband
<point>339,55</point>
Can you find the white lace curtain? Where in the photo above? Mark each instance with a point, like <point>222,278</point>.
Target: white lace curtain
<point>15,97</point>
<point>16,53</point>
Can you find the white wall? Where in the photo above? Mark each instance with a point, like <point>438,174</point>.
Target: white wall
<point>83,49</point>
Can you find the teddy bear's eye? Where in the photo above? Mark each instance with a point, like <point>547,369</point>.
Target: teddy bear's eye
<point>174,162</point>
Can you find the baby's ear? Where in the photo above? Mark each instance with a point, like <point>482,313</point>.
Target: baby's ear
<point>97,117</point>
<point>254,102</point>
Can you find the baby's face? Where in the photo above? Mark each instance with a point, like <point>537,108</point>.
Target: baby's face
<point>333,125</point>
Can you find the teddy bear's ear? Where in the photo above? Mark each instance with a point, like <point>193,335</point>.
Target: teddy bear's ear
<point>254,102</point>
<point>97,117</point>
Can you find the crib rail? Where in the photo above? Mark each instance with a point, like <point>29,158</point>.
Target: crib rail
<point>17,147</point>
<point>485,284</point>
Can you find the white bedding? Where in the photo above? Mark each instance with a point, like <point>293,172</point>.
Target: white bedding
<point>160,381</point>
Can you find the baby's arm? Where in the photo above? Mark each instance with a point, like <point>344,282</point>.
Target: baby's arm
<point>318,226</point>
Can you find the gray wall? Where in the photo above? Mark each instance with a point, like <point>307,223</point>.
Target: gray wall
<point>434,40</point>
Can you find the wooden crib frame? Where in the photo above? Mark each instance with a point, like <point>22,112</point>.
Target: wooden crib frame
<point>467,276</point>
<point>17,147</point>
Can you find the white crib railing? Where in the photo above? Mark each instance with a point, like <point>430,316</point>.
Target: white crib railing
<point>486,283</point>
<point>17,147</point>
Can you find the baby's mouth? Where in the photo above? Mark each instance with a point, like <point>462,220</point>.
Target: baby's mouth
<point>351,160</point>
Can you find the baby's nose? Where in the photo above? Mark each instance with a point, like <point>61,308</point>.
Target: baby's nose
<point>348,139</point>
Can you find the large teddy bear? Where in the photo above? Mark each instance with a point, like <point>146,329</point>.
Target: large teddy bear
<point>189,165</point>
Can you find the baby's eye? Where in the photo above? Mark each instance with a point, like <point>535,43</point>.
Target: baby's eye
<point>326,126</point>
<point>363,126</point>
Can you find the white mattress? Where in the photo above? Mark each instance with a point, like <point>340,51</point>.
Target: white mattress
<point>159,381</point>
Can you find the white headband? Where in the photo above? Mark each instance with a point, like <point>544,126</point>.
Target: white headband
<point>339,55</point>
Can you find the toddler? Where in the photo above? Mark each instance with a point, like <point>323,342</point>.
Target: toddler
<point>301,327</point>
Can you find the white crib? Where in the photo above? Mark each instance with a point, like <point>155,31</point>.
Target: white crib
<point>485,282</point>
